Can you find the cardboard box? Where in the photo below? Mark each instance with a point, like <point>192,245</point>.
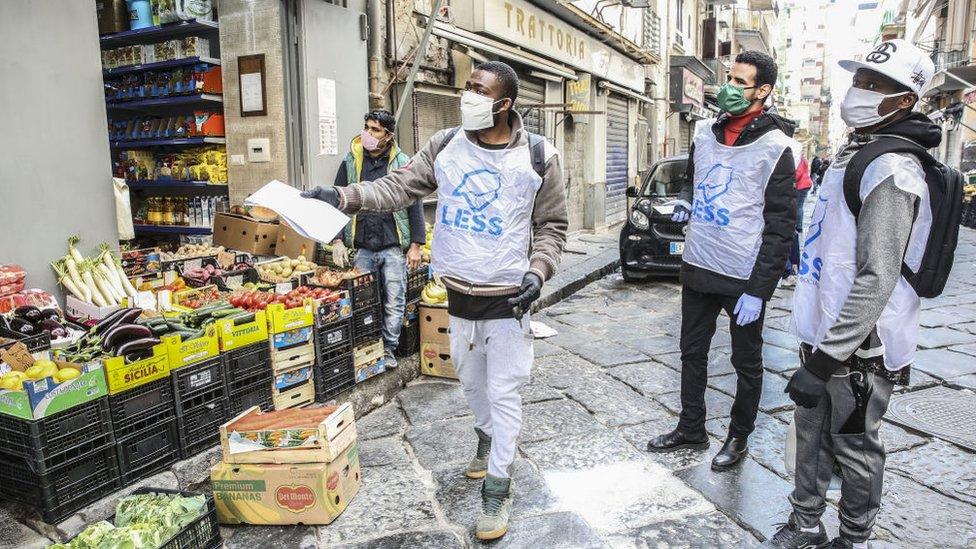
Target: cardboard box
<point>242,233</point>
<point>234,334</point>
<point>291,244</point>
<point>306,493</point>
<point>435,325</point>
<point>183,353</point>
<point>303,435</point>
<point>45,397</point>
<point>281,319</point>
<point>79,311</point>
<point>370,369</point>
<point>435,360</point>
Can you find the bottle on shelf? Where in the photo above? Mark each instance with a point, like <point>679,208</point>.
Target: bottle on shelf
<point>168,217</point>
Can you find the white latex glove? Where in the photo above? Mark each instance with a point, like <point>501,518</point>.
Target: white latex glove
<point>340,254</point>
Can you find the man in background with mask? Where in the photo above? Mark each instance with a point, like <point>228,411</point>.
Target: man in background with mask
<point>381,240</point>
<point>854,312</point>
<point>742,209</point>
<point>499,233</point>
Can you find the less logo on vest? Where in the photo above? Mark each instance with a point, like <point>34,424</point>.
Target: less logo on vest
<point>813,265</point>
<point>479,189</point>
<point>706,207</point>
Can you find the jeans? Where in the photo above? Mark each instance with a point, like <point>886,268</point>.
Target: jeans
<point>843,426</point>
<point>390,265</point>
<point>699,311</point>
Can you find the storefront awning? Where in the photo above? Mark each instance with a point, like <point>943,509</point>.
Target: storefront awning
<point>954,79</point>
<point>624,91</point>
<point>493,47</point>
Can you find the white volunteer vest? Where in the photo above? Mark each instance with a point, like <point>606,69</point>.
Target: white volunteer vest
<point>828,261</point>
<point>725,229</point>
<point>482,229</point>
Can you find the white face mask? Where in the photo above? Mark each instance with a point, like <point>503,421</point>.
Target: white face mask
<point>476,111</point>
<point>859,109</point>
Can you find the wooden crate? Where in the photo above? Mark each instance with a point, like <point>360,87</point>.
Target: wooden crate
<point>293,357</point>
<point>301,395</point>
<point>367,354</point>
<point>334,430</point>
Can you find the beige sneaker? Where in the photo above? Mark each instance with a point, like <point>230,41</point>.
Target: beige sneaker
<point>496,505</point>
<point>478,467</point>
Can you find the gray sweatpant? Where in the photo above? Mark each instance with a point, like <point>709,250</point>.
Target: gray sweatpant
<point>844,425</point>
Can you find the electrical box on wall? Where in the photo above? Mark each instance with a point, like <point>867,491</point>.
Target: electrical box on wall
<point>259,150</point>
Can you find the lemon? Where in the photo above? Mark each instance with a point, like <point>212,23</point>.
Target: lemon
<point>66,374</point>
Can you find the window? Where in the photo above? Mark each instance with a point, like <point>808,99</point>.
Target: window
<point>679,16</point>
<point>652,31</point>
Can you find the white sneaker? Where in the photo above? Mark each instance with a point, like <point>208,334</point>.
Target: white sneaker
<point>389,360</point>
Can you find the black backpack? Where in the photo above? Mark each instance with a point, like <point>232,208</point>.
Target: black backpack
<point>945,197</point>
<point>537,149</point>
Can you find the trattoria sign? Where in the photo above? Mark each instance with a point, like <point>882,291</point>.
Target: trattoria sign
<point>522,24</point>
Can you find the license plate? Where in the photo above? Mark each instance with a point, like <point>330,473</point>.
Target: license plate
<point>677,248</point>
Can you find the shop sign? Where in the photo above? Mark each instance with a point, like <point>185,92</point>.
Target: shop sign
<point>522,24</point>
<point>578,93</point>
<point>693,89</point>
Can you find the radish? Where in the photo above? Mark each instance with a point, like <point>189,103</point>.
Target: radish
<point>74,274</point>
<point>86,275</point>
<point>75,254</point>
<point>67,281</point>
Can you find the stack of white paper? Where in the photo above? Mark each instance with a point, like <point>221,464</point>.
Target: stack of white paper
<point>309,217</point>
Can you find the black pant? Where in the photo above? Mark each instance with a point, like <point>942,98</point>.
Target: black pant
<point>699,311</point>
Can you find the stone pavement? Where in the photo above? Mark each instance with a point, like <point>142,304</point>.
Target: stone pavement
<point>599,390</point>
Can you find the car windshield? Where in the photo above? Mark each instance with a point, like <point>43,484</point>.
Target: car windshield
<point>666,179</point>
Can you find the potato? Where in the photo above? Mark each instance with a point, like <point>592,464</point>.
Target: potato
<point>294,263</point>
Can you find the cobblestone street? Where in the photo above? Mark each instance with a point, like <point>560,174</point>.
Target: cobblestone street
<point>600,389</point>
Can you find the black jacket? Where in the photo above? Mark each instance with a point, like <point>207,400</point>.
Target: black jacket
<point>377,231</point>
<point>779,214</point>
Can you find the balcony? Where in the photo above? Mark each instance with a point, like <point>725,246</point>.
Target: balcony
<point>949,59</point>
<point>752,32</point>
<point>719,75</point>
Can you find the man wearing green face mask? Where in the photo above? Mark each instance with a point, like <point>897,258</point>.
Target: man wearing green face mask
<point>741,210</point>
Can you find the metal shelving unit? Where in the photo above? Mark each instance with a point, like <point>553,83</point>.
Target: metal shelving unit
<point>149,35</point>
<point>170,229</point>
<point>177,142</point>
<point>160,65</point>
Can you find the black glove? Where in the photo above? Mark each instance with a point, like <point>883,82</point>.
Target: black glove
<point>329,195</point>
<point>529,291</point>
<point>806,388</point>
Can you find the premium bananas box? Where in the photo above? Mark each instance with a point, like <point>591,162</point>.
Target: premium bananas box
<point>434,325</point>
<point>306,493</point>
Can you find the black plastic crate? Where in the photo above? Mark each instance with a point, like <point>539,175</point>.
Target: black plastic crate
<point>409,338</point>
<point>335,369</point>
<point>149,450</point>
<point>198,378</point>
<point>259,395</point>
<point>130,408</point>
<point>326,390</point>
<point>239,383</point>
<point>366,324</point>
<point>40,439</point>
<point>248,360</point>
<point>364,290</point>
<point>60,492</point>
<point>333,341</point>
<point>34,343</point>
<point>416,280</point>
<point>199,421</point>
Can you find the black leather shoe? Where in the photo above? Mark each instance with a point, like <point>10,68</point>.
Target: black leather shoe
<point>676,440</point>
<point>731,453</point>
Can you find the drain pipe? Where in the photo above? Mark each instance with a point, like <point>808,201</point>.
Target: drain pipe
<point>373,12</point>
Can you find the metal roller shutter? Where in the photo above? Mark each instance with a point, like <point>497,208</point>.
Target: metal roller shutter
<point>684,136</point>
<point>433,112</point>
<point>617,155</point>
<point>532,92</point>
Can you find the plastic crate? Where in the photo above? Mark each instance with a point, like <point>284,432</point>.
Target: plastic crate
<point>333,341</point>
<point>409,339</point>
<point>416,280</point>
<point>42,438</point>
<point>34,343</point>
<point>259,394</point>
<point>153,447</point>
<point>363,290</point>
<point>58,493</point>
<point>204,532</point>
<point>335,369</point>
<point>198,378</point>
<point>131,407</point>
<point>199,419</point>
<point>367,323</point>
<point>248,360</point>
<point>327,390</point>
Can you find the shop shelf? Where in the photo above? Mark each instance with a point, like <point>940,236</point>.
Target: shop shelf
<point>180,142</point>
<point>154,446</point>
<point>170,229</point>
<point>164,185</point>
<point>59,492</point>
<point>149,35</point>
<point>43,440</point>
<point>160,65</point>
<point>166,101</point>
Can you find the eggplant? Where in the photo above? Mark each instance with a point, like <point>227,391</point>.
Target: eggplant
<point>28,313</point>
<point>49,325</point>
<point>123,333</point>
<point>50,313</point>
<point>23,326</point>
<point>58,333</point>
<point>137,345</point>
<point>116,317</point>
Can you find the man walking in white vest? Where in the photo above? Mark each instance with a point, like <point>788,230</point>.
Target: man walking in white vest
<point>499,233</point>
<point>855,312</point>
<point>742,206</point>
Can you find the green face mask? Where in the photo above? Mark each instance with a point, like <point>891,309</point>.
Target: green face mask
<point>730,99</point>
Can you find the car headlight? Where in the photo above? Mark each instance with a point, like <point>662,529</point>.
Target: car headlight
<point>639,220</point>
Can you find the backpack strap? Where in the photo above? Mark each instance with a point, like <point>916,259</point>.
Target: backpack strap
<point>857,165</point>
<point>537,149</point>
